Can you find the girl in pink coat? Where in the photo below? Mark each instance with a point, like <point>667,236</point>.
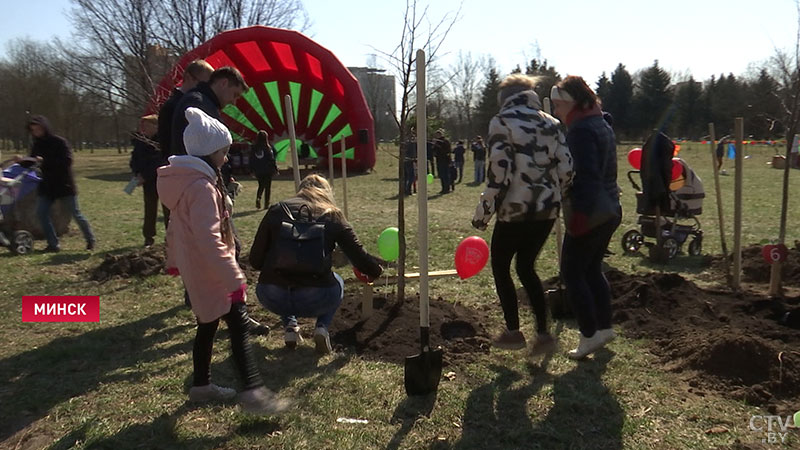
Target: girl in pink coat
<point>200,248</point>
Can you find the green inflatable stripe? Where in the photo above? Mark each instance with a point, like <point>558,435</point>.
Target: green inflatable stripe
<point>316,99</point>
<point>282,149</point>
<point>275,96</point>
<point>346,131</point>
<point>239,116</point>
<point>294,89</point>
<point>237,138</point>
<point>350,153</point>
<point>252,99</point>
<point>333,113</point>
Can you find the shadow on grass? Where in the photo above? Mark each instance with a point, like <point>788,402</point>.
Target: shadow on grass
<point>37,380</point>
<point>682,263</point>
<point>122,177</point>
<point>66,258</point>
<point>584,413</point>
<point>160,433</point>
<point>407,413</point>
<point>246,213</point>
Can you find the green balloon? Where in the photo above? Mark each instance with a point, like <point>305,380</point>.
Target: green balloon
<point>389,244</point>
<point>797,419</point>
<point>430,178</point>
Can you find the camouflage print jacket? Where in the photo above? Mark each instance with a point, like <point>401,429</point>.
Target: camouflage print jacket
<point>529,164</point>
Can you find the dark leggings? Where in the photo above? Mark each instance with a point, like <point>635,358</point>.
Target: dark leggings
<point>581,270</point>
<point>243,357</point>
<point>264,186</point>
<point>525,239</point>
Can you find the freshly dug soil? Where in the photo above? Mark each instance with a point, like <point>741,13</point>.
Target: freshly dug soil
<point>141,262</point>
<point>734,344</point>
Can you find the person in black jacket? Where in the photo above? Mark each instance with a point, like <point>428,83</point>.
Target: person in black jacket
<point>458,156</point>
<point>198,71</point>
<point>292,294</point>
<point>58,184</point>
<point>441,150</point>
<point>264,167</point>
<point>223,88</point>
<point>146,158</point>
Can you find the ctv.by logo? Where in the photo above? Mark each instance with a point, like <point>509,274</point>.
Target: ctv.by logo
<point>777,428</point>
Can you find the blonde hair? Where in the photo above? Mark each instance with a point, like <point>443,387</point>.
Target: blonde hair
<point>317,192</point>
<point>516,83</point>
<point>198,68</point>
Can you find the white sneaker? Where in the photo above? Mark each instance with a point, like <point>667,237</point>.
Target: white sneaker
<point>587,346</point>
<point>261,400</point>
<point>210,392</point>
<point>322,341</point>
<point>292,337</point>
<point>607,335</point>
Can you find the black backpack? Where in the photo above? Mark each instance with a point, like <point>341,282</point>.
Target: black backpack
<point>298,246</point>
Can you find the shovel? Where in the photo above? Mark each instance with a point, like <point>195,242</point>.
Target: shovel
<point>423,371</point>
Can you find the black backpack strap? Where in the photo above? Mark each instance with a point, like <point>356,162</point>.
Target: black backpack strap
<point>308,210</point>
<point>287,211</point>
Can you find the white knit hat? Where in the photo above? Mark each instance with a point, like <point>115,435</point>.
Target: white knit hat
<point>204,134</point>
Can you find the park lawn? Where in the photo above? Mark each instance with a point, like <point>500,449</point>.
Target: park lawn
<point>122,383</point>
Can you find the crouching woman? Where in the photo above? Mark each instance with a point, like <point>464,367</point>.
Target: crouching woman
<point>296,278</point>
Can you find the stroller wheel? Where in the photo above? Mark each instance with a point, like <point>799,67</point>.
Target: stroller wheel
<point>696,246</point>
<point>632,241</point>
<point>670,247</point>
<point>22,242</point>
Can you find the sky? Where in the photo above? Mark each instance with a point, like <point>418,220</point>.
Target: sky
<point>586,38</point>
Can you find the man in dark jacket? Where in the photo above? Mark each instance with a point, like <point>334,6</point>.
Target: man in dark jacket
<point>223,88</point>
<point>58,183</point>
<point>441,149</point>
<point>198,71</point>
<point>146,158</point>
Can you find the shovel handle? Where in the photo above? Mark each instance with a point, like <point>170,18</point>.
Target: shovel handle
<point>424,338</point>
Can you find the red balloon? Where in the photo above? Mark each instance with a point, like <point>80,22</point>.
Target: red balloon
<point>361,276</point>
<point>635,158</point>
<point>677,169</point>
<point>471,256</point>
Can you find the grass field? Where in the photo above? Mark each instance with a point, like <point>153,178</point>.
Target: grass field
<point>122,383</point>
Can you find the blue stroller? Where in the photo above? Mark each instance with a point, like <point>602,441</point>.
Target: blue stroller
<point>17,181</point>
<point>666,204</point>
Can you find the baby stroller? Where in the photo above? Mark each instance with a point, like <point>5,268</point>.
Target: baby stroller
<point>671,195</point>
<point>17,181</point>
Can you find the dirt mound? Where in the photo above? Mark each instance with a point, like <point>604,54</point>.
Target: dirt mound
<point>756,270</point>
<point>736,344</point>
<point>142,262</point>
<point>392,332</point>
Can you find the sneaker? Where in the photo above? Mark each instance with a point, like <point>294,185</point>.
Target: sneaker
<point>90,245</point>
<point>607,335</point>
<point>292,337</point>
<point>256,328</point>
<point>510,340</point>
<point>258,204</point>
<point>322,341</point>
<point>52,249</point>
<point>587,346</point>
<point>210,392</point>
<point>544,343</point>
<point>261,400</point>
<point>149,242</point>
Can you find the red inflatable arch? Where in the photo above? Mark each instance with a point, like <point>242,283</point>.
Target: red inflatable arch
<point>326,97</point>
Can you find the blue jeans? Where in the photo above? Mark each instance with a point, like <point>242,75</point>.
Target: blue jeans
<point>291,302</point>
<point>480,170</point>
<point>43,213</point>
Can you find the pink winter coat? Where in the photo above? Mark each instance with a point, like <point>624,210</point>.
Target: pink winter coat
<point>195,247</point>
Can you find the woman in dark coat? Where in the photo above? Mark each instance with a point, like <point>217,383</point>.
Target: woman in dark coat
<point>264,167</point>
<point>591,210</point>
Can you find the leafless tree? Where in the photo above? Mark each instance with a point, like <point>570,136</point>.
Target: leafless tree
<point>465,86</point>
<point>418,32</point>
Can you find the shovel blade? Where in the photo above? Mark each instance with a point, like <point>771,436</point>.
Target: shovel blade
<point>423,372</point>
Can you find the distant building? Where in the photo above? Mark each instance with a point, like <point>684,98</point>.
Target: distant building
<point>379,91</point>
<point>142,76</point>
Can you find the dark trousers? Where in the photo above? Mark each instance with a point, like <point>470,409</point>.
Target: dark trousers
<point>525,239</point>
<point>432,167</point>
<point>264,186</point>
<point>460,167</point>
<point>151,203</point>
<point>410,176</point>
<point>581,270</point>
<point>443,167</point>
<point>240,347</point>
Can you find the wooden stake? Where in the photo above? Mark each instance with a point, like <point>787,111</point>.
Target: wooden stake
<point>344,181</point>
<point>292,141</point>
<point>737,205</point>
<point>422,193</point>
<point>559,232</point>
<point>366,301</point>
<point>330,161</point>
<point>720,216</point>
